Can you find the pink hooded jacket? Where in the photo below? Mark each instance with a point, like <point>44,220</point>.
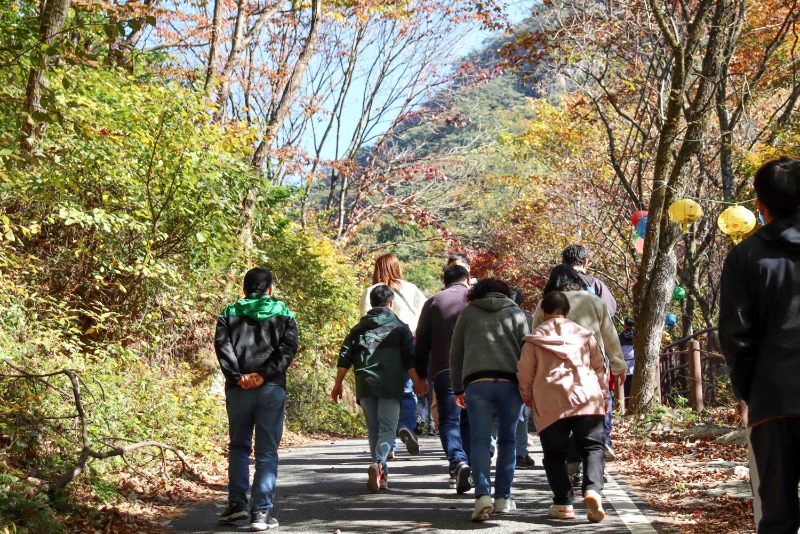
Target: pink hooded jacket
<point>562,373</point>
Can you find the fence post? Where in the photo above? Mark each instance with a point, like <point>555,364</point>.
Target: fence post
<point>695,377</point>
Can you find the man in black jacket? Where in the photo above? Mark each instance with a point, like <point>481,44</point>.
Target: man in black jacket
<point>759,327</point>
<point>255,341</point>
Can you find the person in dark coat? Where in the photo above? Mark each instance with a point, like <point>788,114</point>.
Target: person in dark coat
<point>759,329</point>
<point>255,342</point>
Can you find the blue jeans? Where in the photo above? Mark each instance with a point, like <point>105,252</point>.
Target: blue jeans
<point>261,408</point>
<point>408,409</point>
<point>381,417</point>
<point>449,420</point>
<point>522,431</point>
<point>484,399</point>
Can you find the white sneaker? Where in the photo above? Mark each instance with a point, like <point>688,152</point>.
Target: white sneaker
<point>594,506</point>
<point>483,507</point>
<point>561,511</point>
<point>503,506</point>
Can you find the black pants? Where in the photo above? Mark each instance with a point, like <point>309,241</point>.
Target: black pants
<point>776,446</point>
<point>589,432</point>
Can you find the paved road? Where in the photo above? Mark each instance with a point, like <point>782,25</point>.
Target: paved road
<point>322,488</point>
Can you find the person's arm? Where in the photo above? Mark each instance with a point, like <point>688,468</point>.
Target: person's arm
<point>344,363</point>
<point>423,341</point>
<point>604,293</point>
<point>364,305</point>
<point>336,392</point>
<point>526,371</point>
<point>611,344</point>
<point>224,350</point>
<point>457,354</point>
<point>538,317</point>
<point>598,363</point>
<point>280,359</point>
<point>738,325</point>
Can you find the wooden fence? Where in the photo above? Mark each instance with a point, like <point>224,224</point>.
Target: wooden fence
<point>689,370</point>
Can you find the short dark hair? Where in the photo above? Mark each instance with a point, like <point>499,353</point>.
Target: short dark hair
<point>380,296</point>
<point>629,322</point>
<point>257,280</point>
<point>486,286</point>
<point>574,255</point>
<point>454,274</point>
<point>563,278</point>
<point>517,296</point>
<point>777,185</point>
<point>555,302</point>
<point>458,258</point>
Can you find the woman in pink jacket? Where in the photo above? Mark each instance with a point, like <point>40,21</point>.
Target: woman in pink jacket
<point>562,377</point>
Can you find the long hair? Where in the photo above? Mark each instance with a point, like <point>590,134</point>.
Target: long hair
<point>562,278</point>
<point>387,271</point>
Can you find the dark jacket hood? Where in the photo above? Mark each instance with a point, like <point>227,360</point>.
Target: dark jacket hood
<point>783,232</point>
<point>493,302</point>
<point>378,317</point>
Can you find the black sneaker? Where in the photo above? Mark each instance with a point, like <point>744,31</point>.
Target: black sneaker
<point>260,520</point>
<point>409,439</point>
<point>235,511</point>
<point>463,478</point>
<point>525,462</point>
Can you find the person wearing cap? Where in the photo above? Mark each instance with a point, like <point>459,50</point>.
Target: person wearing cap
<point>255,342</point>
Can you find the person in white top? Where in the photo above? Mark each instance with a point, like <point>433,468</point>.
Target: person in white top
<point>407,306</point>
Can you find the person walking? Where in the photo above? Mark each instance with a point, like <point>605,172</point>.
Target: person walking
<point>590,312</point>
<point>407,306</point>
<point>577,257</point>
<point>255,341</point>
<point>380,349</point>
<point>562,377</point>
<point>626,343</point>
<point>434,334</point>
<point>484,353</point>
<point>760,339</point>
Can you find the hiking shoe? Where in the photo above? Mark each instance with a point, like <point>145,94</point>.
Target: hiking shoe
<point>610,455</point>
<point>594,506</point>
<point>463,478</point>
<point>576,479</point>
<point>374,477</point>
<point>561,511</point>
<point>525,462</point>
<point>260,520</point>
<point>503,506</point>
<point>234,511</point>
<point>390,456</point>
<point>409,440</point>
<point>483,507</point>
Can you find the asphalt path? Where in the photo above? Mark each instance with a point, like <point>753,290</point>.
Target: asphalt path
<point>322,488</point>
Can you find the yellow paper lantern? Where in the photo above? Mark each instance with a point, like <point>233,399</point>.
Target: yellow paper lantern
<point>684,212</point>
<point>736,221</point>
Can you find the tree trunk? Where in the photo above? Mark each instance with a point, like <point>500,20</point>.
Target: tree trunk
<point>51,22</point>
<point>216,30</point>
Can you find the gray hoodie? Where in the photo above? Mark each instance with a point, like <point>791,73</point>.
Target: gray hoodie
<point>486,341</point>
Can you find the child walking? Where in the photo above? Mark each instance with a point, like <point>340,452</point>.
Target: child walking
<point>562,377</point>
<point>380,348</point>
